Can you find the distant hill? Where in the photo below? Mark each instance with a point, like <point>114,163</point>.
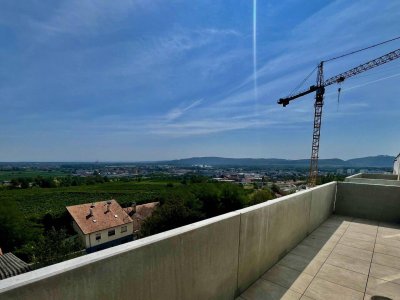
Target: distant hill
<point>371,161</point>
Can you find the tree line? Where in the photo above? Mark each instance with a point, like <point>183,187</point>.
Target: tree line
<point>200,201</point>
<point>54,182</point>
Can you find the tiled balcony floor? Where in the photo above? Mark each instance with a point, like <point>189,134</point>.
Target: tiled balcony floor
<point>344,258</point>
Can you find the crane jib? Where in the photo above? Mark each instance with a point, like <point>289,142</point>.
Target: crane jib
<point>343,76</point>
<point>364,67</point>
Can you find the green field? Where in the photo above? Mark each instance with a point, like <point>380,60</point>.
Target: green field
<point>8,175</point>
<point>36,202</point>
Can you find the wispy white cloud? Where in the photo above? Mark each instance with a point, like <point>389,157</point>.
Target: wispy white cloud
<point>179,111</point>
<point>87,16</point>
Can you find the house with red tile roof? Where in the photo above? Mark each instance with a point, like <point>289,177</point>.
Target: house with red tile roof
<point>101,224</point>
<point>139,213</point>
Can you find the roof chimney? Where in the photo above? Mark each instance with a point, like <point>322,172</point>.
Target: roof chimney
<point>133,211</point>
<point>90,212</point>
<point>108,206</point>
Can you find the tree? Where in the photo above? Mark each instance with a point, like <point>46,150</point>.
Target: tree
<point>15,230</point>
<point>275,189</point>
<point>208,195</point>
<point>231,197</point>
<point>55,247</point>
<point>177,209</point>
<point>260,197</point>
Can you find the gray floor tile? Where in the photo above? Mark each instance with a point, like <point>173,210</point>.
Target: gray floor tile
<point>388,241</point>
<point>330,230</point>
<point>364,227</point>
<point>349,263</point>
<point>359,236</point>
<point>340,218</point>
<point>307,265</point>
<point>369,246</point>
<point>385,235</point>
<point>288,278</point>
<point>363,230</point>
<point>388,250</point>
<point>310,252</point>
<point>327,236</point>
<point>386,273</point>
<point>386,260</point>
<point>343,277</point>
<point>383,288</point>
<point>320,289</point>
<point>320,243</point>
<point>265,290</point>
<point>336,223</point>
<point>337,227</point>
<point>339,254</point>
<point>389,229</point>
<point>353,252</point>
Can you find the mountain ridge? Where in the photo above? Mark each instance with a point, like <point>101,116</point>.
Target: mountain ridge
<point>368,161</point>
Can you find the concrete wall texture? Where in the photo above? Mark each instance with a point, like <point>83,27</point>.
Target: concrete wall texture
<point>375,202</point>
<point>216,258</point>
<point>270,230</point>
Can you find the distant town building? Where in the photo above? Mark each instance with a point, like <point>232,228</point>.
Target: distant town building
<point>101,224</point>
<point>10,265</point>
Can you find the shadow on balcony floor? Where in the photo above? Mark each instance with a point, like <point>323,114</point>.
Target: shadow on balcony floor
<point>344,258</point>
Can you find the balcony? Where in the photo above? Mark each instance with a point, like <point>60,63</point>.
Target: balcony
<point>335,240</point>
<point>344,258</point>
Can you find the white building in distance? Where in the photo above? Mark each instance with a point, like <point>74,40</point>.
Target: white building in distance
<point>396,165</point>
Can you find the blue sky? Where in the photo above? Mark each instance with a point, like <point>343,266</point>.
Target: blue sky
<point>87,80</point>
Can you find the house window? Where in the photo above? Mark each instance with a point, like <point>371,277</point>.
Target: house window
<point>98,236</point>
<point>124,229</point>
<point>111,232</point>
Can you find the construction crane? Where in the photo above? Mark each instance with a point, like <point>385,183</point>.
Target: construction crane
<point>319,88</point>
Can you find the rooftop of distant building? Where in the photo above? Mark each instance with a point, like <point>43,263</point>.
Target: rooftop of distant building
<point>96,216</point>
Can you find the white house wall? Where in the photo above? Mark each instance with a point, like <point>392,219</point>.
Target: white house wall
<point>91,240</point>
<point>84,238</point>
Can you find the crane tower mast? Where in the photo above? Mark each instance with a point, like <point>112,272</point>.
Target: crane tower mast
<point>319,88</point>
